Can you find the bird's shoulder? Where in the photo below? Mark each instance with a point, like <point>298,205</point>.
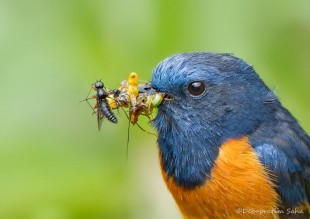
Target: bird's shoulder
<point>284,148</point>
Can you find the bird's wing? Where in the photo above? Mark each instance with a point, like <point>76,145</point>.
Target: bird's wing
<point>291,171</point>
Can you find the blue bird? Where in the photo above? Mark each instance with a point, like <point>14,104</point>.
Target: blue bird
<point>227,147</point>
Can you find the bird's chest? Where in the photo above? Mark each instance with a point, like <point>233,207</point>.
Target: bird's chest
<point>238,187</point>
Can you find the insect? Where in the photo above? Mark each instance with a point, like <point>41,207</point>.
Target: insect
<point>138,98</point>
<point>146,104</point>
<point>133,93</point>
<point>103,105</point>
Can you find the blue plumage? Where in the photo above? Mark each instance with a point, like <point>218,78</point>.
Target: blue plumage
<point>236,103</point>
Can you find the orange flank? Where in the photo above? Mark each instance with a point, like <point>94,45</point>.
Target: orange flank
<point>239,187</point>
<point>304,207</point>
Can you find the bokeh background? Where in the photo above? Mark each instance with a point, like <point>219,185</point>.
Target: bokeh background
<point>54,164</point>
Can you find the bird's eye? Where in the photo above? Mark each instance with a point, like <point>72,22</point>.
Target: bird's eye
<point>196,88</point>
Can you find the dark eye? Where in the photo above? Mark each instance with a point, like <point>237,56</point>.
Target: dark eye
<point>196,88</point>
<point>99,84</point>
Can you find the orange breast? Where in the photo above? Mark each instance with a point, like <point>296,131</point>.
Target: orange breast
<point>239,187</point>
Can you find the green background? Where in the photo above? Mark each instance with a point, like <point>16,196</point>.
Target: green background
<point>54,164</point>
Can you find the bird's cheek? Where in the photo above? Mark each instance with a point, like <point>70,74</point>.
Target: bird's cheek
<point>193,103</point>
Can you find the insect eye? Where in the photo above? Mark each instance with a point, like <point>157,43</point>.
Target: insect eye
<point>196,88</point>
<point>99,84</point>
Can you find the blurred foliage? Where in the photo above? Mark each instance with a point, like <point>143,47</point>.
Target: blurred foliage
<point>54,164</point>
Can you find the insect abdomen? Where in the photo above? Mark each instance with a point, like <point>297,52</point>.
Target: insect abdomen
<point>107,111</point>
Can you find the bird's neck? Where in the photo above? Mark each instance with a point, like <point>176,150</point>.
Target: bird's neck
<point>187,153</point>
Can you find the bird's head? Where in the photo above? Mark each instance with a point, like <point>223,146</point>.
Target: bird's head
<point>210,97</point>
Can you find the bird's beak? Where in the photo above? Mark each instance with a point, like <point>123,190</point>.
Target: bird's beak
<point>155,97</point>
<point>147,89</point>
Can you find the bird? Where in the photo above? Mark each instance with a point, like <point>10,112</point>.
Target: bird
<point>227,147</point>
